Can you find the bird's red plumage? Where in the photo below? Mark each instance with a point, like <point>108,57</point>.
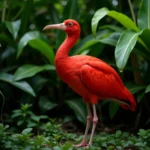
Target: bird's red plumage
<point>88,76</point>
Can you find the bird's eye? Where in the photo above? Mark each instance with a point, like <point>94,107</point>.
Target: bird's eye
<point>70,23</point>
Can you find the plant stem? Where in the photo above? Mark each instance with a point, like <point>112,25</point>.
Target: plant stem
<point>4,11</point>
<point>132,11</point>
<point>1,113</point>
<point>134,59</point>
<point>18,14</point>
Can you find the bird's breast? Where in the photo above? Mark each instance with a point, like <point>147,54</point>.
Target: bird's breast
<point>66,70</point>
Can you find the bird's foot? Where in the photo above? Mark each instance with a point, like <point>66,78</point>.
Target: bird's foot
<point>82,144</point>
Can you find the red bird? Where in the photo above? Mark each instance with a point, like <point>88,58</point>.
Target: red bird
<point>90,77</point>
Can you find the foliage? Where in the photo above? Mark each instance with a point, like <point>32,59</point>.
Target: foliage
<point>28,76</point>
<point>54,138</point>
<point>131,39</point>
<point>24,117</point>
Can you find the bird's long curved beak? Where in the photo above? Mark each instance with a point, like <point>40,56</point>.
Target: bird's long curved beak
<point>60,26</point>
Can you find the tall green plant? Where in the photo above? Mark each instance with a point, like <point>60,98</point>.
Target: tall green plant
<point>133,38</point>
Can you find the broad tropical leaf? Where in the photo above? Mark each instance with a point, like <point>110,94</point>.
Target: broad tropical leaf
<point>27,8</point>
<point>44,48</point>
<point>30,70</point>
<point>124,47</point>
<point>97,17</point>
<point>89,41</point>
<point>145,36</point>
<point>13,27</point>
<point>111,39</point>
<point>79,108</point>
<point>21,85</point>
<point>144,15</point>
<point>121,18</point>
<point>26,38</point>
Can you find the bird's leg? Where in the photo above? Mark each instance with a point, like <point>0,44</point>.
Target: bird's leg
<point>95,120</point>
<point>89,119</point>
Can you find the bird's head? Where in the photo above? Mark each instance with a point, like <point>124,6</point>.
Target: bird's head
<point>70,26</point>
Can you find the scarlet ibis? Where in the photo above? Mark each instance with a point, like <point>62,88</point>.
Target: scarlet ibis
<point>90,77</point>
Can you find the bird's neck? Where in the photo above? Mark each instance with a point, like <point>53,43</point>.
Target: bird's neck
<point>65,47</point>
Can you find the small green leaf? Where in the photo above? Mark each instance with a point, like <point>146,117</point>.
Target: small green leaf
<point>144,15</point>
<point>20,122</point>
<point>30,70</point>
<point>124,47</point>
<point>26,38</point>
<point>45,104</point>
<point>21,85</point>
<point>118,133</point>
<point>35,118</point>
<point>27,131</point>
<point>44,48</point>
<point>79,108</point>
<point>147,89</point>
<point>13,27</point>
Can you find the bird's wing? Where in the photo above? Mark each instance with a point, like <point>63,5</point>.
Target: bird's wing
<point>101,79</point>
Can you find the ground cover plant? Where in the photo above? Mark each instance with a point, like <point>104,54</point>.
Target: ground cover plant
<point>39,111</point>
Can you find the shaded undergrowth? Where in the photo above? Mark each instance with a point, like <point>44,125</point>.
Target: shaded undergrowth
<point>52,137</point>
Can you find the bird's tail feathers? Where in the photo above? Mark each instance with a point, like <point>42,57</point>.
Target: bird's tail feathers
<point>129,101</point>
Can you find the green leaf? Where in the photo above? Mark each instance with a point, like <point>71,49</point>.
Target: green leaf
<point>27,131</point>
<point>21,85</point>
<point>35,118</point>
<point>8,40</point>
<point>97,17</point>
<point>113,108</point>
<point>111,39</point>
<point>124,47</point>
<point>135,88</point>
<point>89,41</point>
<point>124,20</point>
<point>79,108</point>
<point>140,96</point>
<point>69,11</point>
<point>144,15</point>
<point>121,18</point>
<point>13,27</point>
<point>26,38</point>
<point>27,8</point>
<point>44,48</point>
<point>85,46</point>
<point>30,70</point>
<point>45,104</point>
<point>147,89</point>
<point>145,36</point>
<point>118,133</point>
